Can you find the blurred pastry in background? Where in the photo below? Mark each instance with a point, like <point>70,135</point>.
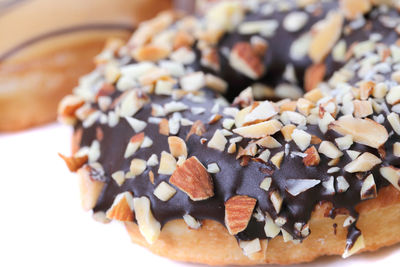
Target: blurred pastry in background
<point>49,44</point>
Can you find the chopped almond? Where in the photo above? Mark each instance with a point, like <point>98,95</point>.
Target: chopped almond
<point>238,211</point>
<point>75,162</point>
<point>177,146</point>
<point>122,208</point>
<point>193,179</point>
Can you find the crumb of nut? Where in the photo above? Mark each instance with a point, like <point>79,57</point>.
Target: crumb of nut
<point>391,174</point>
<point>177,146</point>
<point>266,183</point>
<point>344,142</point>
<point>330,150</point>
<point>245,60</point>
<point>191,222</point>
<point>356,246</point>
<point>218,141</point>
<point>167,163</point>
<point>362,108</point>
<point>363,131</point>
<point>238,211</point>
<point>164,127</point>
<point>164,191</point>
<point>394,120</point>
<point>287,131</point>
<point>301,138</point>
<point>122,208</point>
<point>119,177</point>
<point>314,75</point>
<point>198,129</point>
<point>368,188</point>
<point>396,149</point>
<point>250,247</point>
<point>259,130</point>
<point>276,200</point>
<point>193,179</point>
<point>324,36</point>
<point>75,162</point>
<point>90,188</point>
<point>277,159</point>
<point>363,163</point>
<point>312,157</point>
<point>137,166</point>
<point>149,227</point>
<point>134,143</point>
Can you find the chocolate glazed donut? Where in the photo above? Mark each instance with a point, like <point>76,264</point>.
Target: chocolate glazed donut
<point>155,142</point>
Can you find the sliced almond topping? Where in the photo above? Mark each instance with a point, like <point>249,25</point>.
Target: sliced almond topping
<point>232,148</point>
<point>363,131</point>
<point>353,154</point>
<point>122,208</point>
<point>177,146</point>
<point>287,106</point>
<point>241,115</point>
<point>277,159</point>
<point>191,222</point>
<point>330,150</point>
<point>363,163</point>
<point>314,75</point>
<point>266,183</point>
<point>396,149</point>
<point>164,127</point>
<point>67,108</point>
<point>90,187</point>
<point>193,81</point>
<point>210,59</point>
<point>268,142</point>
<point>354,248</point>
<point>218,141</point>
<point>314,95</point>
<point>368,188</point>
<point>193,179</point>
<point>198,129</point>
<point>287,132</point>
<point>312,158</point>
<point>167,163</point>
<point>216,83</point>
<point>352,9</point>
<point>271,229</point>
<point>238,211</point>
<point>394,121</point>
<point>325,35</point>
<point>342,184</point>
<point>259,130</point>
<point>150,52</point>
<point>149,227</point>
<point>137,166</point>
<point>119,177</point>
<point>134,143</point>
<point>298,186</point>
<point>393,97</point>
<point>213,168</point>
<point>366,89</point>
<point>362,108</point>
<point>301,138</point>
<point>164,191</point>
<point>344,142</point>
<point>276,200</point>
<point>246,61</point>
<point>75,162</point>
<point>391,174</point>
<point>262,112</point>
<point>250,247</point>
<point>304,106</point>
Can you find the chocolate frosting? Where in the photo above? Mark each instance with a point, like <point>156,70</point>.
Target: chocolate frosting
<point>233,178</point>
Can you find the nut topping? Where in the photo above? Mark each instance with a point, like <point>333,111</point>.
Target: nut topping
<point>245,60</point>
<point>363,163</point>
<point>193,179</point>
<point>363,131</point>
<point>149,227</point>
<point>177,146</point>
<point>122,208</point>
<point>259,130</point>
<point>312,157</point>
<point>238,211</point>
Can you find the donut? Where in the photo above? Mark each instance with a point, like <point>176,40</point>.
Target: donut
<point>48,49</point>
<point>172,138</point>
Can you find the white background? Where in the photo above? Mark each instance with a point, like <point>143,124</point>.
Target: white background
<point>42,223</point>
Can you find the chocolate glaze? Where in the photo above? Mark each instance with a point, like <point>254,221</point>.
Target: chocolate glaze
<point>278,53</point>
<point>234,179</point>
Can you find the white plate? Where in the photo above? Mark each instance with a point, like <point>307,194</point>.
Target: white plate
<point>42,224</point>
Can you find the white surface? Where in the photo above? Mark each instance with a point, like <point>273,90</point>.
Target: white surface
<point>42,223</point>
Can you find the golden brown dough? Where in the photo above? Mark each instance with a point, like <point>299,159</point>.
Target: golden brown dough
<point>213,245</point>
